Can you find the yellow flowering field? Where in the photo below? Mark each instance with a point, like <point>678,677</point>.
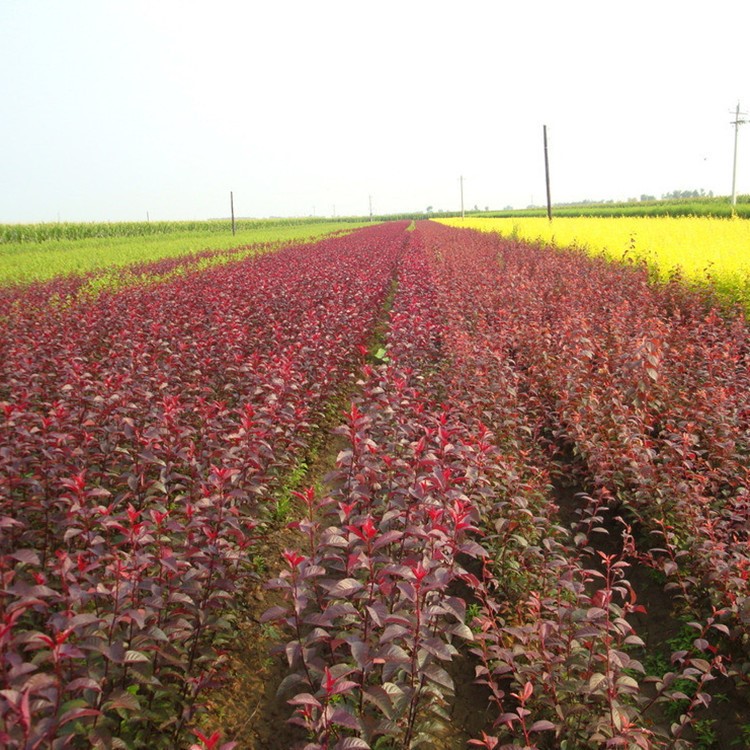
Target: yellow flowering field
<point>701,248</point>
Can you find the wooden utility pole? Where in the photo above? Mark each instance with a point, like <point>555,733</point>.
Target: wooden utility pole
<point>736,122</point>
<point>546,176</point>
<point>461,180</point>
<point>231,204</point>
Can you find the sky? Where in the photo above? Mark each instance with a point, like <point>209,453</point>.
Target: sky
<point>123,110</point>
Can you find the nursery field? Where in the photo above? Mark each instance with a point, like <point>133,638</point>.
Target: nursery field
<point>412,486</point>
<point>39,252</point>
<point>702,250</point>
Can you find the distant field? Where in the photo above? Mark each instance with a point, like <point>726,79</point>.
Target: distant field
<point>44,251</point>
<point>701,249</point>
<point>45,231</point>
<point>705,206</point>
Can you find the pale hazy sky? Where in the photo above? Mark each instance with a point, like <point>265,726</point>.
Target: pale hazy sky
<point>112,109</point>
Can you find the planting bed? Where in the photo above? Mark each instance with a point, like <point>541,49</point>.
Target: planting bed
<point>531,446</point>
<point>144,438</point>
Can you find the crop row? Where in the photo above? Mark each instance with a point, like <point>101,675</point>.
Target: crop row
<point>143,437</point>
<point>37,297</point>
<point>644,385</point>
<point>637,391</point>
<point>439,538</point>
<point>46,232</point>
<point>702,250</point>
<point>26,262</point>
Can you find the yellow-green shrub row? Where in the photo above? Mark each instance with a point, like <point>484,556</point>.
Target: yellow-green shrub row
<point>23,262</point>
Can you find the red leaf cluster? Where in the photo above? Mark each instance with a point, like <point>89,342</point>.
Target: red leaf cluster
<point>143,434</point>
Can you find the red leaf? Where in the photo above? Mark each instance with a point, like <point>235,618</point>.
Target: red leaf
<point>78,713</point>
<point>542,726</point>
<point>344,588</point>
<point>305,699</point>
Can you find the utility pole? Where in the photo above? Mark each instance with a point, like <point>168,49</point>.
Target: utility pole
<point>461,180</point>
<point>231,204</point>
<point>546,175</point>
<point>737,122</point>
<point>370,197</point>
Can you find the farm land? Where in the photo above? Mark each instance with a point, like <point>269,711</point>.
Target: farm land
<point>406,486</point>
<point>99,252</point>
<point>694,249</point>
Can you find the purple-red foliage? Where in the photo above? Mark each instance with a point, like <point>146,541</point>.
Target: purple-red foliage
<point>141,435</point>
<point>500,358</point>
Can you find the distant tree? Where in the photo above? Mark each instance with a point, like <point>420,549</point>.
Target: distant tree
<point>678,194</point>
<point>646,197</point>
<point>428,210</point>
